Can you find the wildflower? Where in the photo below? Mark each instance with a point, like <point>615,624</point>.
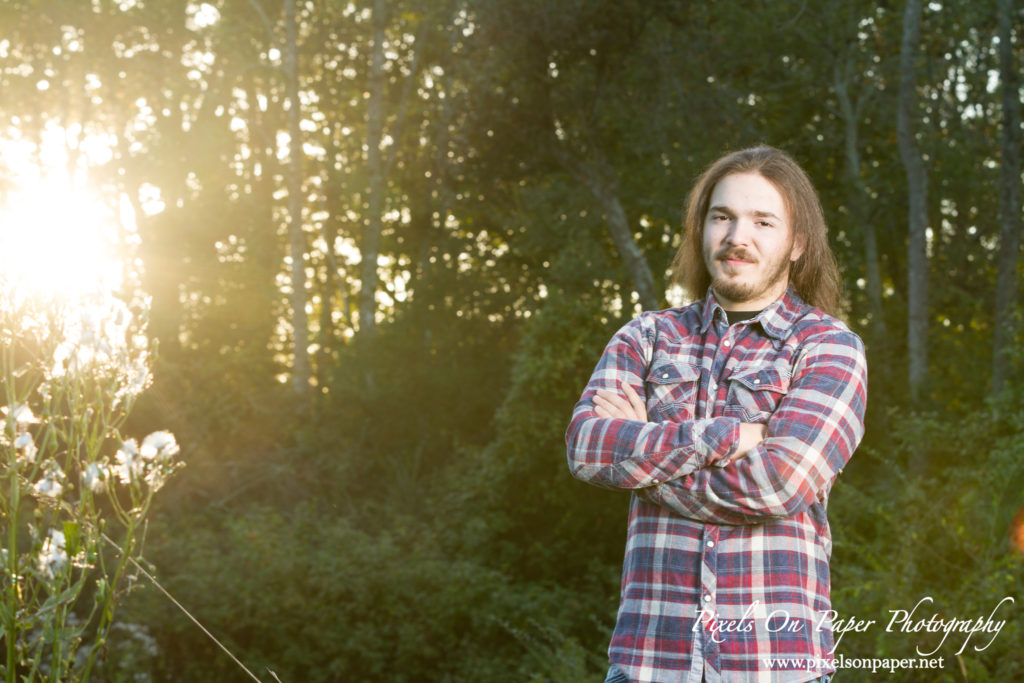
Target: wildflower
<point>156,476</point>
<point>95,477</point>
<point>27,446</point>
<point>140,635</point>
<point>21,414</point>
<point>53,558</point>
<point>88,324</point>
<point>129,467</point>
<point>137,375</point>
<point>159,444</point>
<point>50,485</point>
<point>61,356</point>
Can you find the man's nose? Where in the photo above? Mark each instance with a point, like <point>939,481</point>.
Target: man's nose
<point>740,232</point>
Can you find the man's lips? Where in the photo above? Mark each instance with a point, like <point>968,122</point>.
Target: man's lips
<point>736,260</point>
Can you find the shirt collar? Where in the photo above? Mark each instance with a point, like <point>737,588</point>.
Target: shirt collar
<point>776,319</point>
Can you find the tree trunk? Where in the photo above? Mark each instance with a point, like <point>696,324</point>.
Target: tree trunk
<point>370,247</point>
<point>260,226</point>
<point>599,179</point>
<point>325,334</point>
<point>917,190</point>
<point>632,257</point>
<point>332,226</point>
<point>296,235</point>
<point>1009,203</point>
<point>859,200</point>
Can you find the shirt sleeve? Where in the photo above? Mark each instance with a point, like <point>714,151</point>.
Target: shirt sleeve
<point>809,439</point>
<point>628,454</point>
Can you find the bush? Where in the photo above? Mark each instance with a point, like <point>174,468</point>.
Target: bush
<point>943,539</point>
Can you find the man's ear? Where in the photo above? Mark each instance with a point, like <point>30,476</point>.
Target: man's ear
<point>799,245</point>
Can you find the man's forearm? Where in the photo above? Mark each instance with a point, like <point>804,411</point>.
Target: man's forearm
<point>809,439</point>
<point>629,454</point>
<point>612,450</point>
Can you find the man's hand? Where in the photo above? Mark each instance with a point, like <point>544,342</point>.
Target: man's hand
<point>609,404</point>
<point>631,407</point>
<point>750,436</point>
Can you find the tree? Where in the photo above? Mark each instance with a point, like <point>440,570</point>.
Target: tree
<point>375,172</point>
<point>851,110</point>
<point>917,214</point>
<point>296,222</point>
<point>577,67</point>
<point>1010,224</point>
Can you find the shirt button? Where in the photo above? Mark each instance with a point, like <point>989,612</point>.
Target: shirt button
<point>711,544</point>
<point>664,375</point>
<point>655,481</point>
<point>727,343</point>
<point>707,598</point>
<point>757,381</point>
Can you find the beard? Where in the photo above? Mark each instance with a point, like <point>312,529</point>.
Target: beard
<point>738,291</point>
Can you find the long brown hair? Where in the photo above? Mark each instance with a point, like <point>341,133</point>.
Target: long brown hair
<point>814,276</point>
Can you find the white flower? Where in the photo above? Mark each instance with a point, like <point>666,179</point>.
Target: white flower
<point>89,324</point>
<point>139,634</point>
<point>53,558</point>
<point>155,477</point>
<point>63,353</point>
<point>137,375</point>
<point>129,467</point>
<point>21,414</point>
<point>95,477</point>
<point>160,444</point>
<point>27,446</point>
<point>50,485</point>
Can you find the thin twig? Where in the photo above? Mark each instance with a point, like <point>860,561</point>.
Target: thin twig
<point>187,613</point>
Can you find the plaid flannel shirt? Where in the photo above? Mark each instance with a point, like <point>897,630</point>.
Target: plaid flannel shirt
<point>733,554</point>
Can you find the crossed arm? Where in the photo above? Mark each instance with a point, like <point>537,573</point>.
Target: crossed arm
<point>633,454</point>
<point>629,406</point>
<point>744,473</point>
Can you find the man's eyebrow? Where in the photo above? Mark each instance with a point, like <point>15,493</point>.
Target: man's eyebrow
<point>756,213</point>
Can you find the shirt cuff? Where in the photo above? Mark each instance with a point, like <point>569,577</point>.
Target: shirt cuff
<point>716,438</point>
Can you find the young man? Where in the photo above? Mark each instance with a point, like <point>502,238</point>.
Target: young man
<point>729,420</point>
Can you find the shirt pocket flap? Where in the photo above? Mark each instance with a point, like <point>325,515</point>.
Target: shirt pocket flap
<point>763,379</point>
<point>665,371</point>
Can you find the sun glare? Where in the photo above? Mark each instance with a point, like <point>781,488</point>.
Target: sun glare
<point>59,239</point>
<point>56,237</point>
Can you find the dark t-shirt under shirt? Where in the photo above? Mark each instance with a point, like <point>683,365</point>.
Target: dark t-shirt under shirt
<point>736,316</point>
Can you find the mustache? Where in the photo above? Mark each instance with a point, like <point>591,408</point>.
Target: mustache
<point>735,253</point>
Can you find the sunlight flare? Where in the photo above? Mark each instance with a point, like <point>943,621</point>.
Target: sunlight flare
<point>59,239</point>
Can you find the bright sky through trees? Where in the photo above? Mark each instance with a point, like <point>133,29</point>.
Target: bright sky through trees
<point>56,235</point>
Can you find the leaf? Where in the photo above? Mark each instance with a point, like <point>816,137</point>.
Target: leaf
<point>72,538</point>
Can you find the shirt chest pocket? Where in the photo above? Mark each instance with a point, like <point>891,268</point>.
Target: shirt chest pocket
<point>755,392</point>
<point>671,390</point>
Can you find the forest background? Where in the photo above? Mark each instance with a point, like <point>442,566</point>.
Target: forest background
<point>386,242</point>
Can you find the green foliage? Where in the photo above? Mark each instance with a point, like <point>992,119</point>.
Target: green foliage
<point>945,538</point>
<point>543,507</point>
<point>75,493</point>
<point>325,600</point>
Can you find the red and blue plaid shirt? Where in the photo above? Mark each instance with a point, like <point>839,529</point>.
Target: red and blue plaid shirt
<point>727,563</point>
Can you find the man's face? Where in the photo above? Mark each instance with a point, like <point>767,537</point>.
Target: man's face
<point>748,242</point>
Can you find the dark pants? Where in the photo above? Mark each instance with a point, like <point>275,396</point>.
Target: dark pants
<point>616,676</point>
